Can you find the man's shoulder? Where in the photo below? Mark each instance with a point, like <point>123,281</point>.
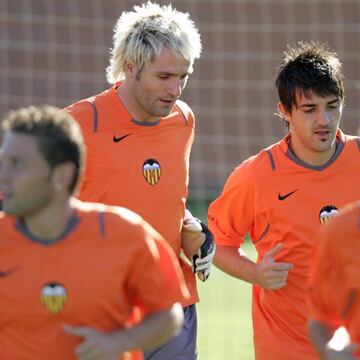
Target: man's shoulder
<point>115,216</point>
<point>352,140</point>
<point>349,150</point>
<point>80,106</point>
<point>85,111</point>
<point>184,107</point>
<point>263,160</point>
<point>183,110</point>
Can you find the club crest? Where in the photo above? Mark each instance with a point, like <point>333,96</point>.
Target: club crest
<point>327,212</point>
<point>151,171</point>
<point>53,297</point>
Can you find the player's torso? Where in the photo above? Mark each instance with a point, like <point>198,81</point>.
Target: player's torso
<point>143,168</point>
<point>293,202</point>
<point>43,287</point>
<point>291,205</point>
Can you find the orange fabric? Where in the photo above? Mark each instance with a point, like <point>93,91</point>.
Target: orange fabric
<point>250,204</point>
<point>121,172</point>
<point>335,273</point>
<point>110,261</point>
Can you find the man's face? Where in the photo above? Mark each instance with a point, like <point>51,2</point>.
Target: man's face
<point>160,84</point>
<point>25,176</point>
<point>313,124</point>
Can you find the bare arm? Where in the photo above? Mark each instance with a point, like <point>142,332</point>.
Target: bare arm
<point>268,273</point>
<point>156,329</point>
<point>234,262</point>
<point>320,335</point>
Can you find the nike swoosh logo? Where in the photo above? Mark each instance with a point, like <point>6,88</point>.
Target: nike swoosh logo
<point>283,197</point>
<point>8,272</point>
<point>117,139</point>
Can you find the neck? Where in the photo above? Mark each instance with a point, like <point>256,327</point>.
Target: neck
<point>126,94</point>
<point>51,221</point>
<point>312,157</point>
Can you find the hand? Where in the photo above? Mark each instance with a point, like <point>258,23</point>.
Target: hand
<point>198,245</point>
<point>97,345</point>
<point>191,235</point>
<point>348,353</point>
<point>272,275</point>
<point>203,259</point>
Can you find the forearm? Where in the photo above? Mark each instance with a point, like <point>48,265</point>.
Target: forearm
<point>234,262</point>
<point>155,329</point>
<point>320,335</point>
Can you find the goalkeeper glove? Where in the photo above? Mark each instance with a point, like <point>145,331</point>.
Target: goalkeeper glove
<point>198,244</point>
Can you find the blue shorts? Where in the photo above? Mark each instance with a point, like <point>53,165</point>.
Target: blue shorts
<point>183,346</point>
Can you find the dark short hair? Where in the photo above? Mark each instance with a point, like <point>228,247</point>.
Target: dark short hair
<point>58,134</point>
<point>309,68</point>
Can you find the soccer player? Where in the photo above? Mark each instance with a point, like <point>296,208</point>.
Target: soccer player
<point>281,197</point>
<point>71,273</point>
<point>139,136</point>
<point>335,285</point>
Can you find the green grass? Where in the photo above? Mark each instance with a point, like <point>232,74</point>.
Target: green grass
<point>224,317</point>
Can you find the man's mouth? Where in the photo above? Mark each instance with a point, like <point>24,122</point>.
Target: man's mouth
<point>167,101</point>
<point>322,132</point>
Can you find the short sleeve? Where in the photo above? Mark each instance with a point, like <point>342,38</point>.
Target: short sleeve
<point>231,215</point>
<point>155,279</point>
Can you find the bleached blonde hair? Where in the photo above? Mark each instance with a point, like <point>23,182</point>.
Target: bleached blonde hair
<point>141,34</point>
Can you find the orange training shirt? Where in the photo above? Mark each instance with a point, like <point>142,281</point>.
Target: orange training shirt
<point>275,197</point>
<point>335,273</point>
<point>140,166</point>
<point>108,261</point>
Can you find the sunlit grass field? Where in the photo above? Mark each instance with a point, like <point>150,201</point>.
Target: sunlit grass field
<point>224,317</point>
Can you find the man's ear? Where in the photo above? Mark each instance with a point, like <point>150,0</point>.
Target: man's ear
<point>282,112</point>
<point>130,69</point>
<point>63,176</point>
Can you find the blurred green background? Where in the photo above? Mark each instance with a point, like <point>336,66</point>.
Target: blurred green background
<point>224,311</point>
<point>224,316</point>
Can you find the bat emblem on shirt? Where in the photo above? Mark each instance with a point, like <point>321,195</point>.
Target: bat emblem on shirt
<point>151,171</point>
<point>54,297</point>
<point>327,212</point>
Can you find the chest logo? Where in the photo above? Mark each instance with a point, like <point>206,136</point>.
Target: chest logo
<point>117,139</point>
<point>283,197</point>
<point>7,272</point>
<point>151,171</point>
<point>327,212</point>
<point>53,297</point>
